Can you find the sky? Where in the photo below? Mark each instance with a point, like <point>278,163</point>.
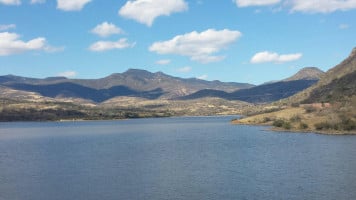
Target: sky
<point>249,41</point>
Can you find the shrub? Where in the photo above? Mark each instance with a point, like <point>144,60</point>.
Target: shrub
<point>303,126</point>
<point>309,109</point>
<point>266,119</point>
<point>295,105</point>
<point>286,125</point>
<point>295,118</point>
<point>278,123</point>
<point>348,124</point>
<point>323,126</point>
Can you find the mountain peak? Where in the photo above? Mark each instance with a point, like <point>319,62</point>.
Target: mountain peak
<point>137,71</point>
<point>307,73</point>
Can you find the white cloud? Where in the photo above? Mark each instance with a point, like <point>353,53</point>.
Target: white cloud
<point>199,47</point>
<point>146,11</point>
<point>71,5</point>
<point>203,77</point>
<point>5,27</point>
<point>68,74</point>
<point>266,56</point>
<point>11,2</point>
<point>322,6</point>
<point>306,6</point>
<point>109,45</point>
<point>52,49</point>
<point>245,3</point>
<point>163,62</point>
<point>106,29</point>
<point>37,1</point>
<point>344,26</point>
<point>11,44</point>
<point>184,69</point>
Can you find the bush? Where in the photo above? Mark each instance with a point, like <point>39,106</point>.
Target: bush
<point>348,125</point>
<point>310,109</point>
<point>295,118</point>
<point>282,124</point>
<point>323,126</point>
<point>266,119</point>
<point>295,105</point>
<point>278,123</point>
<point>303,126</point>
<point>286,125</point>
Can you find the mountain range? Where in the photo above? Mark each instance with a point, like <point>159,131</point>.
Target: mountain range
<point>143,84</point>
<point>132,83</point>
<point>267,92</point>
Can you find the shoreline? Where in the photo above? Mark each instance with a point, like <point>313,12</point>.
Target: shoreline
<point>293,130</point>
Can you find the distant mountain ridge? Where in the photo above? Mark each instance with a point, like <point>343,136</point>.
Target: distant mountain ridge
<point>133,82</point>
<point>267,92</point>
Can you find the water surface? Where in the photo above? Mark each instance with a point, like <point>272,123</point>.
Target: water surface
<point>171,158</point>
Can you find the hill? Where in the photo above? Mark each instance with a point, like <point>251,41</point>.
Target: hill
<point>326,107</point>
<point>268,92</point>
<point>134,83</point>
<point>307,73</point>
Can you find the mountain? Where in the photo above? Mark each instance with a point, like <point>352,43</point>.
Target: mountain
<point>307,73</point>
<point>267,92</point>
<point>337,84</point>
<point>134,83</point>
<point>326,107</point>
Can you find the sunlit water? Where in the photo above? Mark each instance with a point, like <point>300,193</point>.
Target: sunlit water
<point>173,158</point>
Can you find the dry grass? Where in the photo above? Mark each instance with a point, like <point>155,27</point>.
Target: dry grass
<point>298,119</point>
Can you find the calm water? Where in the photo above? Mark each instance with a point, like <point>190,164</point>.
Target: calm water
<point>175,158</point>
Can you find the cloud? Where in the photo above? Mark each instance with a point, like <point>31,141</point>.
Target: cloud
<point>344,26</point>
<point>163,62</point>
<point>68,74</point>
<point>106,29</point>
<point>110,45</point>
<point>5,27</point>
<point>146,11</point>
<point>71,5</point>
<point>306,6</point>
<point>11,44</point>
<point>10,2</point>
<point>37,1</point>
<point>199,47</point>
<point>203,77</point>
<point>266,56</point>
<point>184,69</point>
<point>322,6</point>
<point>246,3</point>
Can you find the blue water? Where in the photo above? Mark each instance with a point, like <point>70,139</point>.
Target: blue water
<point>173,158</point>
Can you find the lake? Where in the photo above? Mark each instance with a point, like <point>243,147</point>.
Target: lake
<point>171,158</point>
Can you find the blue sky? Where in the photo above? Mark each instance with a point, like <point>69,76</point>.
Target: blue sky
<point>251,41</point>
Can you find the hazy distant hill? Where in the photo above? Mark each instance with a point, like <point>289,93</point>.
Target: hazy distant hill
<point>268,92</point>
<point>134,83</point>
